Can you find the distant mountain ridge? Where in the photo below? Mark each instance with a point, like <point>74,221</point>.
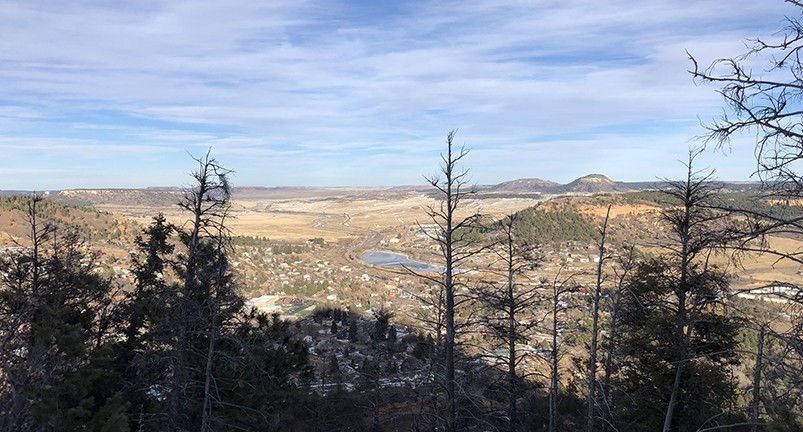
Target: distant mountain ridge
<point>589,184</point>
<point>592,184</point>
<point>162,196</point>
<point>524,185</point>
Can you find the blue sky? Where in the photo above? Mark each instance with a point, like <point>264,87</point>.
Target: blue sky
<point>341,93</point>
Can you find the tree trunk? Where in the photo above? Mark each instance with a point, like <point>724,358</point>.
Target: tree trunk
<point>553,375</point>
<point>592,361</point>
<point>451,415</point>
<point>755,412</point>
<point>512,333</point>
<point>207,406</point>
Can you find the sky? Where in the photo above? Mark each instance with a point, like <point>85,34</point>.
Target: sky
<point>117,93</point>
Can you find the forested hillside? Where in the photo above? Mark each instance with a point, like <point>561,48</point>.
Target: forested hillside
<point>549,224</point>
<point>86,221</point>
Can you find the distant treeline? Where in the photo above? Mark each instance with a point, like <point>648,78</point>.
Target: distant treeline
<point>87,222</point>
<point>251,241</point>
<point>47,208</point>
<point>508,195</point>
<point>276,247</point>
<point>745,201</point>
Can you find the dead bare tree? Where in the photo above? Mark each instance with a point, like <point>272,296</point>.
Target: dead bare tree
<point>203,276</point>
<point>602,256</point>
<point>765,105</point>
<point>558,287</point>
<point>624,263</point>
<point>452,234</point>
<point>510,301</point>
<point>691,224</point>
<point>220,299</point>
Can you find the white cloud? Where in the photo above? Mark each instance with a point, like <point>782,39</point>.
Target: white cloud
<point>360,86</point>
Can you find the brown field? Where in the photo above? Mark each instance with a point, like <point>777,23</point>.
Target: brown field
<point>350,215</point>
<point>760,269</point>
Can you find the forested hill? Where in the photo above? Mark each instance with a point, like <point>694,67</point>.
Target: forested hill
<point>151,197</point>
<point>88,222</point>
<point>552,224</point>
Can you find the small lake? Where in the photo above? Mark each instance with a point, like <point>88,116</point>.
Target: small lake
<point>397,260</point>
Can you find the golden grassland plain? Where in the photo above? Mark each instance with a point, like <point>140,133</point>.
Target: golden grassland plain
<point>748,270</point>
<point>330,218</point>
<point>759,269</point>
<point>753,270</point>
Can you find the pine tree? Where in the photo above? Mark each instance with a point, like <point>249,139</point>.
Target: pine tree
<point>353,330</point>
<point>202,360</point>
<point>677,339</point>
<point>55,335</point>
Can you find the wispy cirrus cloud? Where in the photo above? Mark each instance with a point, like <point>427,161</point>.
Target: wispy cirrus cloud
<point>349,92</point>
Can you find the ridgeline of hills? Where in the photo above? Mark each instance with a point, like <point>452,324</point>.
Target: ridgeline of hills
<point>595,183</point>
<point>167,196</point>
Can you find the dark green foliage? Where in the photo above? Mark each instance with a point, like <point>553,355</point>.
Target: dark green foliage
<point>382,322</point>
<point>353,331</point>
<point>535,411</point>
<point>334,367</point>
<point>254,366</point>
<point>470,235</point>
<point>392,335</point>
<point>55,336</point>
<point>538,226</point>
<point>145,312</point>
<point>785,420</point>
<point>147,301</point>
<point>317,241</point>
<point>652,197</point>
<point>423,349</point>
<point>223,366</point>
<point>177,350</point>
<point>369,374</point>
<point>45,207</point>
<point>276,247</point>
<point>251,241</point>
<point>649,344</point>
<point>307,288</point>
<point>258,372</point>
<point>288,249</point>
